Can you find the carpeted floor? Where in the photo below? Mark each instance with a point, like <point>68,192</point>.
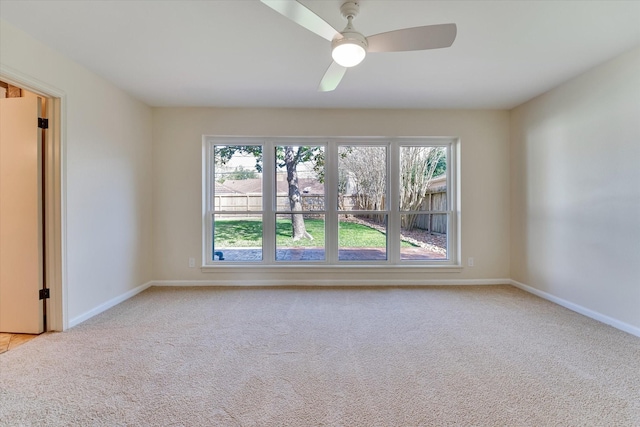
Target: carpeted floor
<point>482,356</point>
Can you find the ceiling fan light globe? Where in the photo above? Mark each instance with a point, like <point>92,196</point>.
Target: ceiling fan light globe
<point>349,51</point>
<point>348,54</point>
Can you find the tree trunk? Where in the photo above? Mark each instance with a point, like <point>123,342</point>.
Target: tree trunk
<point>299,230</point>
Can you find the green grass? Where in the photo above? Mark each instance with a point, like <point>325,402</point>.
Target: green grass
<point>315,227</point>
<point>352,235</point>
<point>247,232</point>
<point>238,233</point>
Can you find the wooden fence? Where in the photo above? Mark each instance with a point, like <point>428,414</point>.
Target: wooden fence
<point>435,201</point>
<point>436,223</point>
<point>253,202</point>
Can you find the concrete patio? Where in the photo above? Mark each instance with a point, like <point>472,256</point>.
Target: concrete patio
<point>318,254</point>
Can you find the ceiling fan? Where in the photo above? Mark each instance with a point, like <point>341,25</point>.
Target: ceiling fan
<point>349,47</point>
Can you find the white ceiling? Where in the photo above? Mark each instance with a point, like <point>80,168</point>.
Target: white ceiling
<point>240,53</point>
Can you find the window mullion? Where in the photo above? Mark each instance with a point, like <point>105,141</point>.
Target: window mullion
<point>268,202</point>
<point>393,206</point>
<point>208,205</point>
<point>453,197</point>
<point>331,203</point>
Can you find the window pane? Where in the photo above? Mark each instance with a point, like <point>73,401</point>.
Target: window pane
<point>423,178</point>
<point>362,237</point>
<point>310,248</point>
<point>238,178</point>
<point>237,237</point>
<point>362,178</point>
<point>423,237</point>
<point>299,178</point>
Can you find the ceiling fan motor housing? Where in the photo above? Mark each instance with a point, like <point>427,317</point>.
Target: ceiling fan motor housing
<point>349,39</point>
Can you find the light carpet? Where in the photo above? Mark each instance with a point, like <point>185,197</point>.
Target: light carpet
<point>435,356</point>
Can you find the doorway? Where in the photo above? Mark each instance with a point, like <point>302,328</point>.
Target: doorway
<point>44,265</point>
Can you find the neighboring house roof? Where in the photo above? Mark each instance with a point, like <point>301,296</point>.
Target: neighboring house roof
<point>254,185</point>
<point>244,186</point>
<point>438,182</point>
<point>223,189</point>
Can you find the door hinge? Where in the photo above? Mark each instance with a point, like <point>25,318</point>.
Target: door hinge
<point>43,123</point>
<point>44,293</point>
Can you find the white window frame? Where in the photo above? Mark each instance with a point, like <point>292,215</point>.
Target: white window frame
<point>392,208</point>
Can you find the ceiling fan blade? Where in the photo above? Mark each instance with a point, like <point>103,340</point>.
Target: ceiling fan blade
<point>299,14</point>
<point>416,38</point>
<point>332,77</point>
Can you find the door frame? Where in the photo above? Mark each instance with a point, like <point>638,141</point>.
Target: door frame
<point>55,215</point>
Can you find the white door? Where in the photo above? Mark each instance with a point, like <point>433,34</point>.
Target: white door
<point>21,310</point>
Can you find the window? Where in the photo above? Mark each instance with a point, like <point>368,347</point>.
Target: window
<point>237,217</point>
<point>363,201</point>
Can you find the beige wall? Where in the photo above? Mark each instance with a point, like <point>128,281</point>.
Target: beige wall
<point>108,174</point>
<point>177,176</point>
<point>575,195</point>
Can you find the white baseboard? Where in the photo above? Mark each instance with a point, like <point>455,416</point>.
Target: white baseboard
<point>107,305</point>
<point>331,282</point>
<point>579,309</point>
<point>633,330</point>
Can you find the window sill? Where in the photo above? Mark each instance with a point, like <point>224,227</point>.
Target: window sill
<point>315,268</point>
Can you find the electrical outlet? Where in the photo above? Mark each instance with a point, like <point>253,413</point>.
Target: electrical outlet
<point>470,262</point>
<point>192,262</point>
